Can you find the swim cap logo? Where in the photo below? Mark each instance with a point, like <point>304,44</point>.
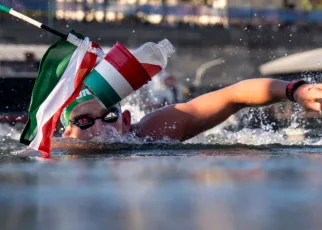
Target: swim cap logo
<point>83,93</point>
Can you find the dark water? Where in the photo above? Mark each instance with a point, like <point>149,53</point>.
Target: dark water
<point>164,187</point>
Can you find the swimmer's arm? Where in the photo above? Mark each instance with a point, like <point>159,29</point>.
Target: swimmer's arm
<point>183,121</point>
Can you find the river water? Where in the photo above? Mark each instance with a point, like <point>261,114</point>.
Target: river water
<point>250,179</point>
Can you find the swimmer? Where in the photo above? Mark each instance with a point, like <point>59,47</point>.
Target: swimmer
<point>86,118</point>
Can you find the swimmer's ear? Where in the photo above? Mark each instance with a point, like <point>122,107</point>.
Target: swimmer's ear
<point>67,131</point>
<point>126,116</point>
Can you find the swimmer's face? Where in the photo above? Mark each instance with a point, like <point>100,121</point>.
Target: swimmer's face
<point>93,109</point>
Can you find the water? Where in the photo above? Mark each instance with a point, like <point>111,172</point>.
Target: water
<point>199,187</point>
<point>250,179</point>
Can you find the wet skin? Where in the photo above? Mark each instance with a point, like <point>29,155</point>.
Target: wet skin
<point>185,120</point>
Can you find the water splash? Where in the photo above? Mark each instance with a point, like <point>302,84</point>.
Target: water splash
<point>10,132</point>
<point>227,133</point>
<point>9,138</point>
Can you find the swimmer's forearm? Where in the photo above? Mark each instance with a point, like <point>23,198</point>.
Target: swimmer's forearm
<point>183,121</point>
<point>251,92</point>
<point>213,108</point>
<point>258,92</point>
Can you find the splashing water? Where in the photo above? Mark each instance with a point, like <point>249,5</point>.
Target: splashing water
<point>222,134</point>
<point>9,136</point>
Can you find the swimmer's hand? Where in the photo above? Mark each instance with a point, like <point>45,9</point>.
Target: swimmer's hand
<point>309,96</point>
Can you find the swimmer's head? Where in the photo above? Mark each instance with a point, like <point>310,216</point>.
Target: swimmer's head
<point>85,118</point>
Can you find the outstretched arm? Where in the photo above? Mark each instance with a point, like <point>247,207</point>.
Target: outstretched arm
<point>183,121</point>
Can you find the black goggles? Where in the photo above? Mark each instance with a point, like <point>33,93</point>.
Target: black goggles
<point>110,116</point>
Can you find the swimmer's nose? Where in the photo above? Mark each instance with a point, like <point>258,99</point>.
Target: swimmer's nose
<point>97,127</point>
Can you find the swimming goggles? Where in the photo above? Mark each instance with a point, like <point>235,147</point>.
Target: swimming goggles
<point>110,116</point>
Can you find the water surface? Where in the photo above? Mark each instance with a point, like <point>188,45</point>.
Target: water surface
<point>190,186</point>
<point>248,179</point>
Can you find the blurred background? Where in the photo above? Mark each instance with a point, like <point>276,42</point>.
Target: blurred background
<point>218,43</point>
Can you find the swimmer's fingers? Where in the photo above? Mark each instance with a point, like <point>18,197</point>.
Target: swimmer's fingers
<point>308,92</point>
<point>319,86</point>
<point>309,96</point>
<point>315,106</point>
<point>315,94</point>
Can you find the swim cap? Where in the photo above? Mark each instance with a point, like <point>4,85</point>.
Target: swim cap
<point>84,95</point>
